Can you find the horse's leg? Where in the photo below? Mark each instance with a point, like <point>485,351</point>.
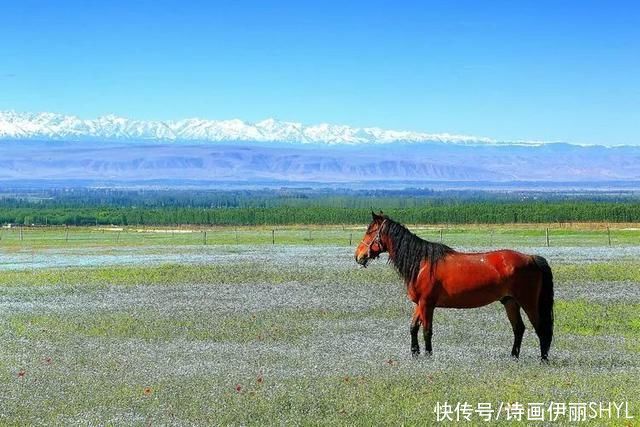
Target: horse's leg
<point>531,309</point>
<point>513,313</point>
<point>535,296</point>
<point>427,325</point>
<point>413,329</point>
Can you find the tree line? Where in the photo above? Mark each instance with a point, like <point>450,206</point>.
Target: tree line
<point>319,212</point>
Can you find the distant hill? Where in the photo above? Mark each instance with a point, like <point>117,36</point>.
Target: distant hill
<point>54,147</point>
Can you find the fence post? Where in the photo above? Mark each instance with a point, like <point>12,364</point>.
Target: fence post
<point>441,235</point>
<point>205,237</point>
<point>21,234</point>
<point>350,238</point>
<point>609,235</point>
<point>546,235</point>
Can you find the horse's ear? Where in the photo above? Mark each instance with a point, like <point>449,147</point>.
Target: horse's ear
<point>377,216</point>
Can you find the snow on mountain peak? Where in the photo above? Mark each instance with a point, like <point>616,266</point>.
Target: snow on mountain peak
<point>14,125</point>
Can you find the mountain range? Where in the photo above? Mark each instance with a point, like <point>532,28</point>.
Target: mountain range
<point>53,126</point>
<point>43,147</point>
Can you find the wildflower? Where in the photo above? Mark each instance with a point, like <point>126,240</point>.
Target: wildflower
<point>260,379</point>
<point>147,391</point>
<point>238,388</point>
<point>21,373</point>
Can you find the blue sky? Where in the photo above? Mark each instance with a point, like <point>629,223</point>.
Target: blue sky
<point>539,70</point>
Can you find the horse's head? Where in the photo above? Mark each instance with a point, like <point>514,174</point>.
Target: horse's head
<point>371,245</point>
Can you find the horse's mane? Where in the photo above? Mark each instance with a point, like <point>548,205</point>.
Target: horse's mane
<point>410,250</point>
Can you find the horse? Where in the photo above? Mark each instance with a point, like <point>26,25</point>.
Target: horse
<point>439,276</point>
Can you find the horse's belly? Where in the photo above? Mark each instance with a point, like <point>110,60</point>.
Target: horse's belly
<point>470,294</point>
<point>469,300</point>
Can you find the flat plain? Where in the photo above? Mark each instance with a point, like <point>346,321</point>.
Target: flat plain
<point>121,327</point>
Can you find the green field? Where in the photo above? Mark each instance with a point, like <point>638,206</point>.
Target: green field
<point>155,328</point>
<point>523,235</point>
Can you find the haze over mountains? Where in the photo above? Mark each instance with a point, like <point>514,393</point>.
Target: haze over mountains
<point>45,146</point>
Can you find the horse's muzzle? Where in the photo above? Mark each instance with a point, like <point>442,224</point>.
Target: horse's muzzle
<point>362,260</point>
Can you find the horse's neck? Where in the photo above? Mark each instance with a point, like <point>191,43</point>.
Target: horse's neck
<point>388,244</point>
<point>395,257</point>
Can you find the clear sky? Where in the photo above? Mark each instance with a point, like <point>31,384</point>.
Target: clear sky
<point>538,70</point>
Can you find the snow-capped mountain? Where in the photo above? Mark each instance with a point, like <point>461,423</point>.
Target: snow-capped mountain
<point>53,126</point>
<point>44,146</point>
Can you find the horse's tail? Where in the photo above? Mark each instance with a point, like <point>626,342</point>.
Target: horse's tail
<point>545,306</point>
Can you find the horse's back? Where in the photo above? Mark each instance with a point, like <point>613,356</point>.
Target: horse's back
<point>502,262</point>
<point>476,279</point>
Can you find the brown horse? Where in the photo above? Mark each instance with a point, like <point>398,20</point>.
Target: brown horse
<point>438,276</point>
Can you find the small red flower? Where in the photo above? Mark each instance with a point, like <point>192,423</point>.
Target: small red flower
<point>260,379</point>
<point>147,391</point>
<point>47,360</point>
<point>238,388</point>
<point>21,373</point>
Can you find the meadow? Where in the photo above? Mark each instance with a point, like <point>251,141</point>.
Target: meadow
<point>150,326</point>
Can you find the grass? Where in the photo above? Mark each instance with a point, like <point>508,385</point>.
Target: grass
<point>171,274</point>
<point>599,272</point>
<point>465,236</point>
<point>155,327</point>
<point>592,319</point>
<point>264,272</point>
<point>295,335</point>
